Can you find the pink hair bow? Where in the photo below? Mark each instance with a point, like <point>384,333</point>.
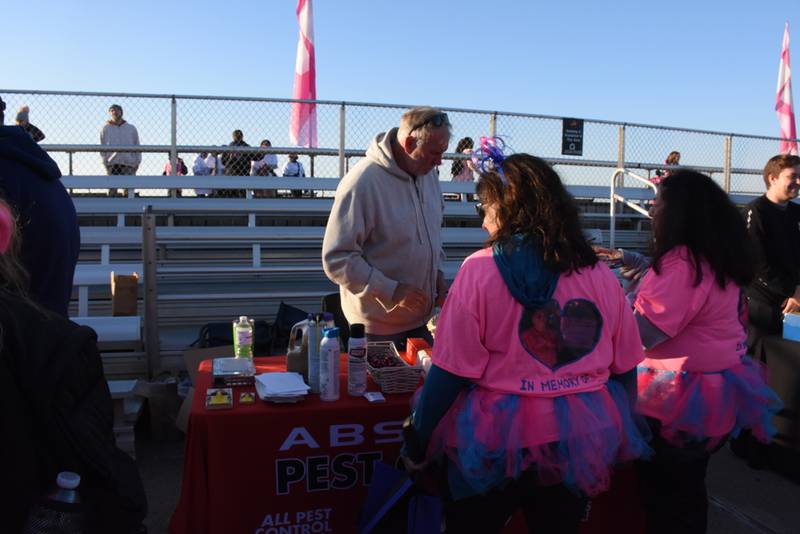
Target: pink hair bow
<point>6,228</point>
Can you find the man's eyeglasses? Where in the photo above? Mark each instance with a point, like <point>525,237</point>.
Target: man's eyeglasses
<point>437,120</point>
<point>479,210</point>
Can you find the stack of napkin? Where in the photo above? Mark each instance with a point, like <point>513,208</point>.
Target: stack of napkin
<point>281,387</point>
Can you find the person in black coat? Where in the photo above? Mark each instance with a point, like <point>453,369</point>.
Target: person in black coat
<point>236,164</point>
<point>57,413</point>
<point>773,222</point>
<point>30,183</point>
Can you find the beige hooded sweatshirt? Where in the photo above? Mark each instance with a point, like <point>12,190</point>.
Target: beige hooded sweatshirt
<point>384,228</point>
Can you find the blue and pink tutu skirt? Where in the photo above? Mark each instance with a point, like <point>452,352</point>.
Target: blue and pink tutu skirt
<point>574,440</point>
<point>700,406</point>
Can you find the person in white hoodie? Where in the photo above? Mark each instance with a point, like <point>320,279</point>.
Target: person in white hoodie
<point>118,132</point>
<point>383,242</point>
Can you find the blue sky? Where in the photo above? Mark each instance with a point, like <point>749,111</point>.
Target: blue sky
<point>708,65</point>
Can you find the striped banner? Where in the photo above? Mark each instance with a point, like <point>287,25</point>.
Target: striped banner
<point>303,125</point>
<point>783,100</point>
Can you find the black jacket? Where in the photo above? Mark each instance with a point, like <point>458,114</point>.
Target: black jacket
<point>56,414</point>
<point>237,163</point>
<point>29,182</point>
<point>776,235</point>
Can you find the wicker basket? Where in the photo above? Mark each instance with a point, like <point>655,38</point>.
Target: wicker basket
<point>402,378</point>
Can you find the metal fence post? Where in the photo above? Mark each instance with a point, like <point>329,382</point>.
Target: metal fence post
<point>151,338</point>
<point>173,151</point>
<point>621,154</point>
<point>70,163</point>
<point>311,157</point>
<point>493,124</point>
<point>342,164</point>
<point>612,212</point>
<point>726,164</point>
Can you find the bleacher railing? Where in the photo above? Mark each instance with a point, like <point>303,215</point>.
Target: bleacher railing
<point>170,125</point>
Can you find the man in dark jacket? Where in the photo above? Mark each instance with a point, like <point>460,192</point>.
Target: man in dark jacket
<point>773,222</point>
<point>30,183</point>
<point>236,164</point>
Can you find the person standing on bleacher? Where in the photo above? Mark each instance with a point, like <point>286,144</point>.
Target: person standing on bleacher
<point>383,243</point>
<point>30,183</point>
<point>118,132</point>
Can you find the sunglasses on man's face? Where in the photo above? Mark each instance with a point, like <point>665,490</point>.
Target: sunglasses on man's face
<point>479,210</point>
<point>437,120</point>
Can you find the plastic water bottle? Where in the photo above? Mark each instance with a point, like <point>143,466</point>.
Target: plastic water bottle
<point>61,513</point>
<point>356,361</point>
<point>243,337</point>
<point>327,318</point>
<point>329,365</point>
<point>313,354</point>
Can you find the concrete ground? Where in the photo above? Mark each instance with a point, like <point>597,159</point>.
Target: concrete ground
<point>742,500</point>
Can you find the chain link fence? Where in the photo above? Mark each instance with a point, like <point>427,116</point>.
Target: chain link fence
<point>72,124</point>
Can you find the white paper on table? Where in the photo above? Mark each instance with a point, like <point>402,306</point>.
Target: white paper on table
<point>283,384</point>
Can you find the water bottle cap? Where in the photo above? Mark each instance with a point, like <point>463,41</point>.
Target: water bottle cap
<point>68,480</point>
<point>327,316</point>
<point>357,330</point>
<point>332,332</point>
<point>242,318</point>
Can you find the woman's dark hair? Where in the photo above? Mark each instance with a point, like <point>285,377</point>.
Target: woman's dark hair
<point>461,146</point>
<point>536,204</point>
<point>13,276</point>
<point>691,210</point>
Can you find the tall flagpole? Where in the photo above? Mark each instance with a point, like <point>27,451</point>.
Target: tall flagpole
<point>303,124</point>
<point>783,100</point>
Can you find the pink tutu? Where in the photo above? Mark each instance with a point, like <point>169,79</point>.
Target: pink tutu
<point>697,406</point>
<point>573,439</point>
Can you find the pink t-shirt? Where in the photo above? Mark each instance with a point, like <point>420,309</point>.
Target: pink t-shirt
<point>568,346</point>
<point>704,322</point>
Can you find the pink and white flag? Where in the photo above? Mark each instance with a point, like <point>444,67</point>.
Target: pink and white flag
<point>783,100</point>
<point>303,125</point>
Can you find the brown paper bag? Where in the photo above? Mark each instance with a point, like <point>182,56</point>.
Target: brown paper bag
<point>124,294</point>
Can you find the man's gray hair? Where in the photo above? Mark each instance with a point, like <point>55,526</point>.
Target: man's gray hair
<point>421,121</point>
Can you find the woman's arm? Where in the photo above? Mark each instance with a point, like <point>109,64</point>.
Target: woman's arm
<point>650,333</point>
<point>439,392</point>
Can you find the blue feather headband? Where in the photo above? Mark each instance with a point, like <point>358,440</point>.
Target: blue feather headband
<point>489,157</point>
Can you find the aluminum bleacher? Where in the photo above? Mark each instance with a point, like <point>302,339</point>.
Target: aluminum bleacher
<point>194,274</point>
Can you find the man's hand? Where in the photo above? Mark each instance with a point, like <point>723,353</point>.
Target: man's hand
<point>441,289</point>
<point>792,304</point>
<point>607,254</point>
<point>410,298</point>
<point>412,468</point>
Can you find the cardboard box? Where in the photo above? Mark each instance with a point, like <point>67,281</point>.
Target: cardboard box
<point>182,421</point>
<point>124,294</point>
<point>163,405</point>
<point>192,359</point>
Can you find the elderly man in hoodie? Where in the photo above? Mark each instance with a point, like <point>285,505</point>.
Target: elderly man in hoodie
<point>30,182</point>
<point>383,242</point>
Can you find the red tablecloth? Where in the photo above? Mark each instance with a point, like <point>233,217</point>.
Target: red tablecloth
<point>259,466</point>
<point>255,468</point>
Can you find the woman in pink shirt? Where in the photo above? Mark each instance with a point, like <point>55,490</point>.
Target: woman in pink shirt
<point>696,386</point>
<point>523,400</point>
